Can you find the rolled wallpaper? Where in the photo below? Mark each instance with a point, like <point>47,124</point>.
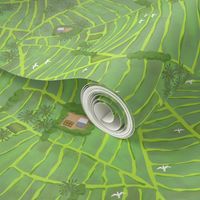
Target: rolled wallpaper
<point>99,99</point>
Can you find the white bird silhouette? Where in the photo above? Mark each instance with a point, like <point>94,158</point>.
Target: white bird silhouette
<point>153,15</point>
<point>117,194</point>
<point>189,82</point>
<point>117,91</point>
<point>35,65</point>
<point>84,70</point>
<point>142,20</point>
<point>47,61</point>
<point>164,167</point>
<point>178,130</point>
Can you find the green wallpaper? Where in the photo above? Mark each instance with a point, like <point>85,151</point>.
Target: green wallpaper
<point>146,51</point>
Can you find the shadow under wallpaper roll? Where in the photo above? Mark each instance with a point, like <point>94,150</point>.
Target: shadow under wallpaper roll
<point>99,100</point>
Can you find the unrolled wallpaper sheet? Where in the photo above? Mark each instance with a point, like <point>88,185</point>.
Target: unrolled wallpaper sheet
<point>99,100</point>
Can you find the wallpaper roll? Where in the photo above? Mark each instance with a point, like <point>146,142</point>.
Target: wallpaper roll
<point>77,77</point>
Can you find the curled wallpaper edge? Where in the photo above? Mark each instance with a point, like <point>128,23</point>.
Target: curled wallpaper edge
<point>132,75</point>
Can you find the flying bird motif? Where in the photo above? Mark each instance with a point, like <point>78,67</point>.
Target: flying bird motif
<point>142,20</point>
<point>178,130</point>
<point>35,65</point>
<point>117,194</point>
<point>164,167</point>
<point>84,70</point>
<point>189,82</point>
<point>47,61</point>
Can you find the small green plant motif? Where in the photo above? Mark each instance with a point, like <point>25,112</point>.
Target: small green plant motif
<point>8,56</point>
<point>44,125</point>
<point>45,111</point>
<point>70,190</point>
<point>41,114</point>
<point>174,75</point>
<point>169,72</point>
<point>4,134</point>
<point>27,116</point>
<point>9,52</point>
<point>41,120</point>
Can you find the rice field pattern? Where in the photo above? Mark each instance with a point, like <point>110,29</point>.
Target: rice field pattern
<point>147,51</point>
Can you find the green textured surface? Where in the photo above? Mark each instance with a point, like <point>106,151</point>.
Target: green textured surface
<point>103,47</point>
